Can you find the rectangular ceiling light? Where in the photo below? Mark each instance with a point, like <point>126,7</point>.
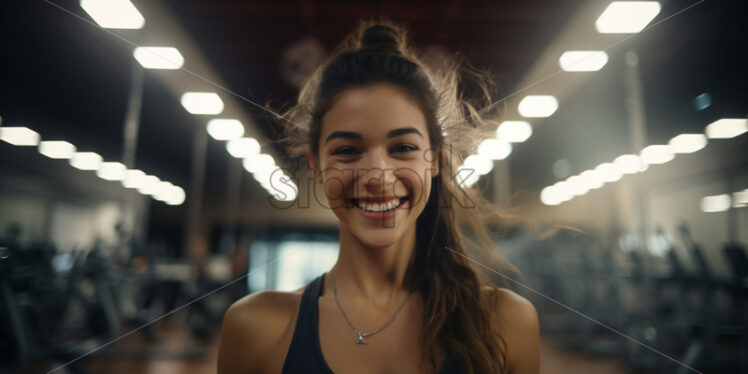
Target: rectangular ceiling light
<point>726,128</point>
<point>716,203</point>
<point>687,143</point>
<point>583,60</point>
<point>111,171</point>
<point>243,147</point>
<point>608,172</point>
<point>740,199</point>
<point>537,106</point>
<point>494,149</point>
<point>176,197</point>
<point>225,129</point>
<point>149,185</point>
<point>656,154</point>
<point>627,17</point>
<point>86,161</point>
<point>202,103</point>
<point>629,164</point>
<point>57,149</point>
<point>19,136</point>
<point>114,14</point>
<point>158,57</point>
<point>514,131</point>
<point>134,178</point>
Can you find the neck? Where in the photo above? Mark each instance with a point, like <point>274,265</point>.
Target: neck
<point>373,276</point>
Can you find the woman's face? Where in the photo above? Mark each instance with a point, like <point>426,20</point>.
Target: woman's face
<point>376,163</point>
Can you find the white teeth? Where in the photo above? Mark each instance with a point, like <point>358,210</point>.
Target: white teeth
<point>379,207</point>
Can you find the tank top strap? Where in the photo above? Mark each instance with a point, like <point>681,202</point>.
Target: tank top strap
<point>303,355</point>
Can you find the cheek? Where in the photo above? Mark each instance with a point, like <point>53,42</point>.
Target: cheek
<point>335,183</point>
<point>417,181</point>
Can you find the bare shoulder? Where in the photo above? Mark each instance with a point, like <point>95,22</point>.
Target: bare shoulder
<point>517,322</point>
<point>254,330</point>
<point>512,306</point>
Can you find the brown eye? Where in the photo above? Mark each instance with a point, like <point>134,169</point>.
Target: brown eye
<point>404,148</point>
<point>344,151</point>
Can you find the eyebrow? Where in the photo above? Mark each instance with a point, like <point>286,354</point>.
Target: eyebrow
<point>355,135</point>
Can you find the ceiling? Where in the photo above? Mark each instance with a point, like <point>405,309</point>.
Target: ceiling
<point>69,80</point>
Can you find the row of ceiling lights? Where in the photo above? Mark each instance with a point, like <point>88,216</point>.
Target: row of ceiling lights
<point>723,202</point>
<point>116,14</point>
<point>122,14</point>
<point>613,19</point>
<point>610,172</point>
<point>112,171</point>
<point>620,17</point>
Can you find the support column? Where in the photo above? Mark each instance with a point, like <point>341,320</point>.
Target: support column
<point>193,230</point>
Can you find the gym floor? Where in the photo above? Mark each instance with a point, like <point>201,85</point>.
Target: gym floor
<point>174,339</point>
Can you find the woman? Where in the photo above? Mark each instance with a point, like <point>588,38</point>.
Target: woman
<point>402,297</point>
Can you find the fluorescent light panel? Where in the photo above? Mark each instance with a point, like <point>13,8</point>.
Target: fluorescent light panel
<point>537,106</point>
<point>202,103</point>
<point>629,164</point>
<point>716,203</point>
<point>627,17</point>
<point>111,171</point>
<point>20,136</point>
<point>494,149</point>
<point>514,131</point>
<point>158,57</point>
<point>577,185</point>
<point>608,172</point>
<point>549,196</point>
<point>58,149</point>
<point>225,129</point>
<point>243,147</point>
<point>259,164</point>
<point>740,199</point>
<point>583,60</point>
<point>149,185</point>
<point>86,161</point>
<point>592,179</point>
<point>163,191</point>
<point>177,196</point>
<point>114,14</point>
<point>687,143</point>
<point>656,154</point>
<point>726,128</point>
<point>480,164</point>
<point>133,178</point>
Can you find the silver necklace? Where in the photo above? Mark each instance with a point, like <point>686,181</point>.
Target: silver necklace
<point>360,335</point>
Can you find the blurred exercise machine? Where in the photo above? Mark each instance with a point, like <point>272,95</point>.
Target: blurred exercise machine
<point>65,307</point>
<point>667,298</point>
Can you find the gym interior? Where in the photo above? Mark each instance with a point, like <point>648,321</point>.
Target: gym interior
<point>139,198</point>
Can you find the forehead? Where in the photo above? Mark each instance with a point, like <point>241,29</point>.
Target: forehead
<point>373,111</point>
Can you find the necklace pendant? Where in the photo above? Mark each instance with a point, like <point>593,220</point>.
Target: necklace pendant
<point>360,338</point>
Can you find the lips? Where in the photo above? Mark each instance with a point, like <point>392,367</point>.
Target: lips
<point>376,204</point>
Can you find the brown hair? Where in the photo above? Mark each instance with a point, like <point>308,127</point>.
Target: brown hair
<point>458,308</point>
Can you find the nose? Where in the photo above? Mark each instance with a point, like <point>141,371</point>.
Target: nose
<point>377,173</point>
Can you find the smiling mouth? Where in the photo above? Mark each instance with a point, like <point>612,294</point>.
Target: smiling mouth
<point>379,207</point>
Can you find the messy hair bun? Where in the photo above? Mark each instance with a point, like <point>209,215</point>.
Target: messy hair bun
<point>381,37</point>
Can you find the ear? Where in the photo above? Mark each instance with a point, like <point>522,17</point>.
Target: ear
<point>313,166</point>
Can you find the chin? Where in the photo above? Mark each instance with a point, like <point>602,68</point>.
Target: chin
<point>377,240</point>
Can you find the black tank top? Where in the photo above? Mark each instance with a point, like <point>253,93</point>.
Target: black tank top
<point>305,354</point>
